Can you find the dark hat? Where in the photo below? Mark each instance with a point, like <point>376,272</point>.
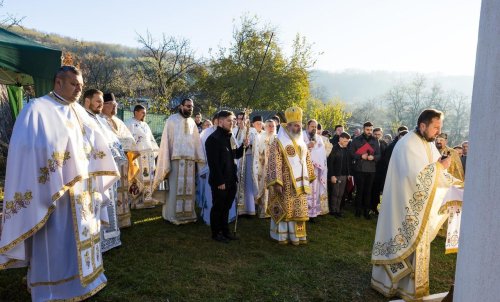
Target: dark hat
<point>257,118</point>
<point>109,97</point>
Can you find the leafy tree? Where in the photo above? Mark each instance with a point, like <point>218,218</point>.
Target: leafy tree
<point>327,114</point>
<point>283,81</point>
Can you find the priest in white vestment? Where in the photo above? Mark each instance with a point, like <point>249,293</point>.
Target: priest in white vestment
<point>262,147</point>
<point>245,196</point>
<point>93,103</point>
<point>141,187</point>
<point>58,169</point>
<point>127,170</point>
<point>326,140</point>
<point>179,157</point>
<point>409,218</point>
<point>318,199</point>
<point>289,174</point>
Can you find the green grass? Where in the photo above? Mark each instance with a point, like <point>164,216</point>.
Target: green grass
<point>162,262</point>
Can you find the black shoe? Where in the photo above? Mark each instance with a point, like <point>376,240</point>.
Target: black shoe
<point>220,238</point>
<point>333,213</point>
<point>340,215</point>
<point>358,213</point>
<point>312,220</point>
<point>367,215</point>
<point>230,237</point>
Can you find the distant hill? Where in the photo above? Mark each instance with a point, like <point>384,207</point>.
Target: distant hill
<point>75,46</point>
<point>355,86</point>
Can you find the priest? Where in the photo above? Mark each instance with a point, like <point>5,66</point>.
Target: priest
<point>318,199</point>
<point>141,187</point>
<point>409,218</point>
<point>127,169</point>
<point>58,169</point>
<point>289,175</point>
<point>262,147</point>
<point>179,158</point>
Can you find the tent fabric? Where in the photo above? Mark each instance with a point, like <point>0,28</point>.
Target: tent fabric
<point>15,94</point>
<point>23,60</point>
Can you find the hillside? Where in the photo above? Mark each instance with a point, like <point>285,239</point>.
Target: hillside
<point>75,46</point>
<point>355,86</point>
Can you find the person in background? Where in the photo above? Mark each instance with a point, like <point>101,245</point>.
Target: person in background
<point>206,124</point>
<point>339,173</point>
<point>118,127</point>
<point>318,199</point>
<point>198,119</point>
<point>365,150</point>
<point>141,187</point>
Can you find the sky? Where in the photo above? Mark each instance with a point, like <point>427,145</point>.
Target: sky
<point>425,36</point>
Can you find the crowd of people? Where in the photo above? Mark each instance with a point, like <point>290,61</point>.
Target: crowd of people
<point>76,164</point>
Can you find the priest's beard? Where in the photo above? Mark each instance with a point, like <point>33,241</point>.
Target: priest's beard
<point>312,133</point>
<point>295,135</point>
<point>427,137</point>
<point>185,113</point>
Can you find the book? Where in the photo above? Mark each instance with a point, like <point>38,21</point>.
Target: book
<point>366,148</point>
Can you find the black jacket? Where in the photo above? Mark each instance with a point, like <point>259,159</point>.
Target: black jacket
<point>220,158</point>
<point>381,164</point>
<point>338,160</point>
<point>335,140</point>
<point>361,164</point>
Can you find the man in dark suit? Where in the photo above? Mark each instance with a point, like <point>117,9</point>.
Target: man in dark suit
<point>222,179</point>
<point>365,150</point>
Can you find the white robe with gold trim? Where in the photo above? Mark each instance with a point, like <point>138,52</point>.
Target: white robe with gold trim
<point>262,147</point>
<point>141,187</point>
<point>318,199</point>
<point>127,170</point>
<point>180,152</point>
<point>409,220</point>
<point>58,170</point>
<point>290,167</point>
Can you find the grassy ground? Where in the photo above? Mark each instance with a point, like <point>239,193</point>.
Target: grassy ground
<point>162,262</point>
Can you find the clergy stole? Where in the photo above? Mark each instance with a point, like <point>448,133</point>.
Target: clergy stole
<point>184,204</point>
<point>452,207</point>
<point>86,202</point>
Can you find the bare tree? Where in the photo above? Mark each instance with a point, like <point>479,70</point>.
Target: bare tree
<point>8,20</point>
<point>457,117</point>
<point>98,70</point>
<point>372,110</point>
<point>396,101</point>
<point>415,94</point>
<point>436,98</point>
<point>166,64</point>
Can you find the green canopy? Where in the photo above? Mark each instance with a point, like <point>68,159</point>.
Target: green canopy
<point>25,62</point>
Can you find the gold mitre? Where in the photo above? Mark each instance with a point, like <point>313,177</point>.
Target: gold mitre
<point>293,114</point>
